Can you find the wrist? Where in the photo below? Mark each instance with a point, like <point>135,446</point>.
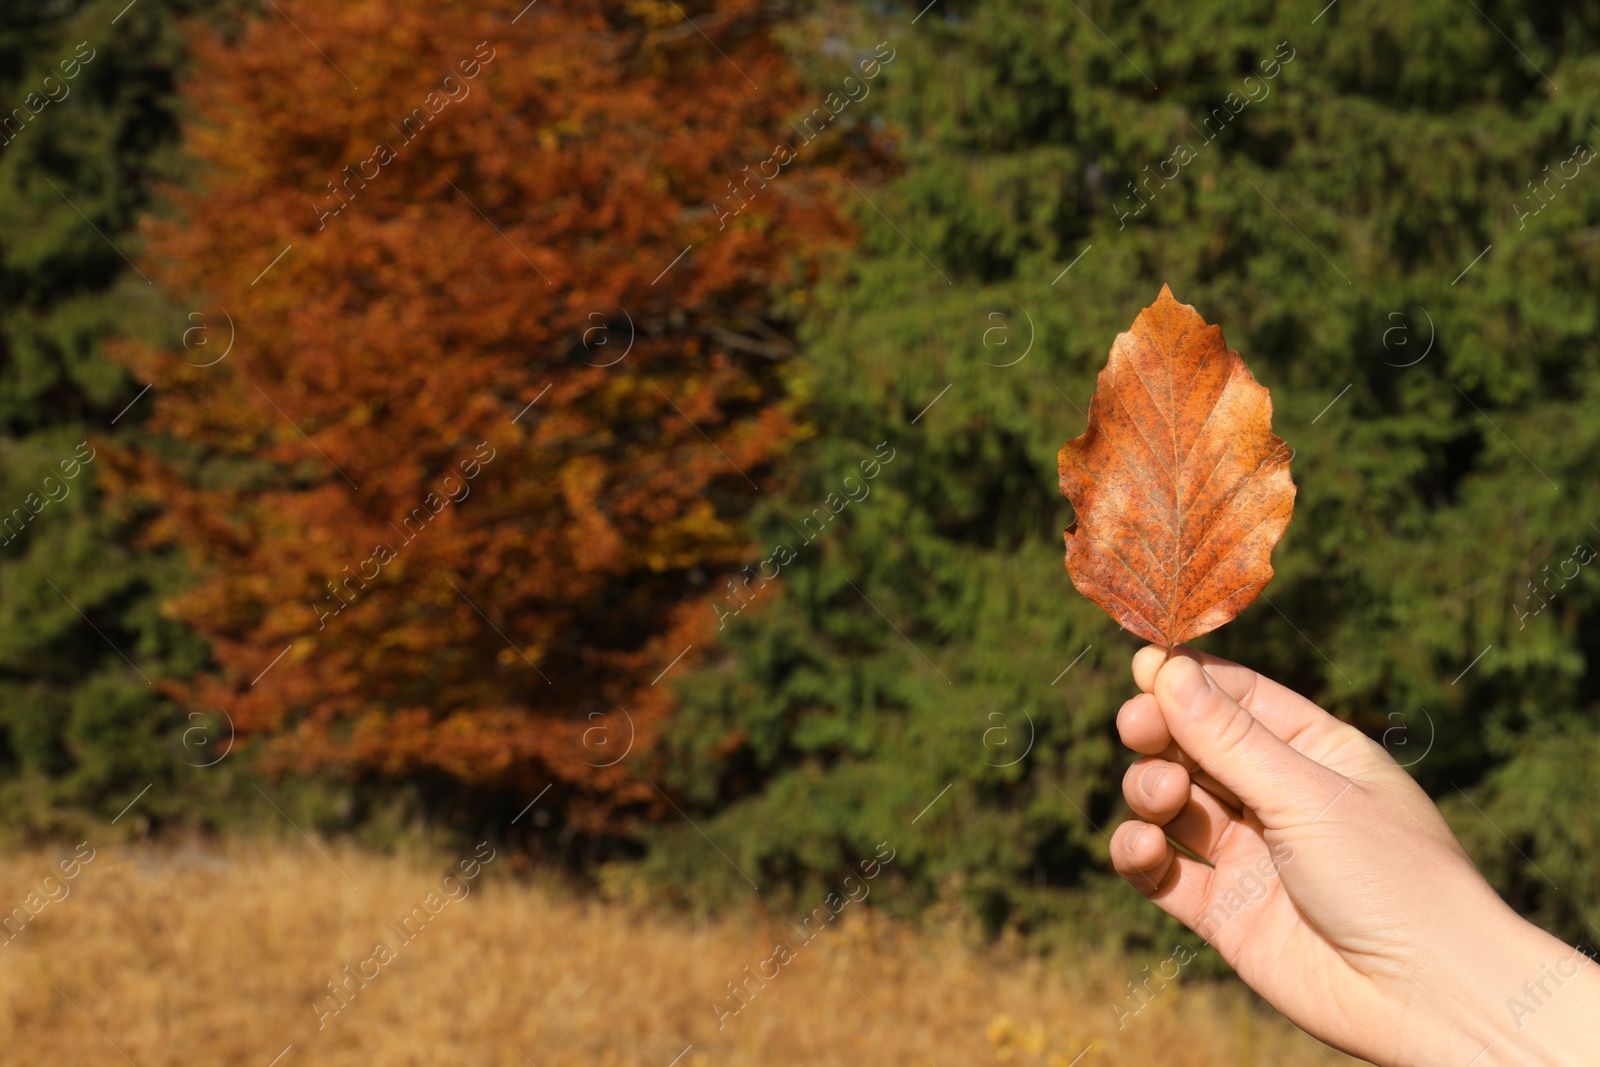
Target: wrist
<point>1547,1011</point>
<point>1524,997</point>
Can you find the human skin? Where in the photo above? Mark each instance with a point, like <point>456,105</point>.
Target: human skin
<point>1374,931</point>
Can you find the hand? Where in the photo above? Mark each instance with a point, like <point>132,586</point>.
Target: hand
<point>1331,883</point>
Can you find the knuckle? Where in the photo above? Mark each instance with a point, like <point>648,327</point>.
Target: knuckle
<point>1233,725</point>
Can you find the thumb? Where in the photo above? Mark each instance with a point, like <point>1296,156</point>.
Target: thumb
<point>1282,786</point>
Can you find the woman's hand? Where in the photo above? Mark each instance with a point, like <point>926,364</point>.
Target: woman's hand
<point>1331,883</point>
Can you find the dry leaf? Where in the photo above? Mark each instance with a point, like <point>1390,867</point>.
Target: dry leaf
<point>1180,486</point>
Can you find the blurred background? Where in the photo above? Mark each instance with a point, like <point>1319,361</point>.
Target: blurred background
<point>621,436</point>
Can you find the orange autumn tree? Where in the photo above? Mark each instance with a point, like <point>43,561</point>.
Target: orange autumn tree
<point>501,385</point>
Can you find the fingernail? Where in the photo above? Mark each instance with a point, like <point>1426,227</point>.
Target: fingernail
<point>1151,781</point>
<point>1134,838</point>
<point>1187,682</point>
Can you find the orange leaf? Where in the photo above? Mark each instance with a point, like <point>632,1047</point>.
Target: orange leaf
<point>1180,486</point>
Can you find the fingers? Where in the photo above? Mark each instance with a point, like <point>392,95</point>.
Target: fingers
<point>1290,716</point>
<point>1146,662</point>
<point>1141,726</point>
<point>1160,793</point>
<point>1143,729</point>
<point>1141,853</point>
<point>1156,790</point>
<point>1175,882</point>
<point>1213,831</point>
<point>1284,787</point>
<point>1186,889</point>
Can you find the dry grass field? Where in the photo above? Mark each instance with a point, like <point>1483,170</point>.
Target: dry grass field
<point>178,956</point>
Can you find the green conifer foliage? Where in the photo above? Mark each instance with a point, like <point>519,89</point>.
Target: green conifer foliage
<point>88,121</point>
<point>1348,195</point>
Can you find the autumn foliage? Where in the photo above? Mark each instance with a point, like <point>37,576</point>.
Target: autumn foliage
<point>1180,486</point>
<point>489,424</point>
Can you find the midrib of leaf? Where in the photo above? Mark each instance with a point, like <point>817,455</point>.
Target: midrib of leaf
<point>1171,631</point>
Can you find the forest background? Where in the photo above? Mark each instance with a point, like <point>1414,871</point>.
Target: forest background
<point>626,430</point>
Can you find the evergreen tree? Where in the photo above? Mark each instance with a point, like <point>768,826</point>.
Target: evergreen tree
<point>1388,211</point>
<point>88,120</point>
